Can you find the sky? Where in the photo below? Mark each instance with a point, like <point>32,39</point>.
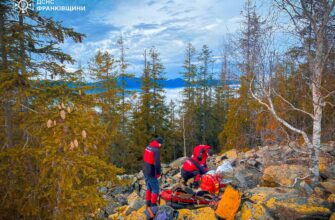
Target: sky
<point>166,24</point>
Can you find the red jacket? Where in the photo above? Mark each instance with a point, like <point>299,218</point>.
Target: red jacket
<point>151,159</point>
<point>200,154</point>
<point>191,168</point>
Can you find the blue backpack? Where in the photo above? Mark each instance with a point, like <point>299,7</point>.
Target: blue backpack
<point>161,213</point>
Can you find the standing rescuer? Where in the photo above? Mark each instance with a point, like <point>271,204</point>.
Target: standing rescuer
<point>152,171</point>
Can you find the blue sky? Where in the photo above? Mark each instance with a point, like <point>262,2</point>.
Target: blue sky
<point>166,24</point>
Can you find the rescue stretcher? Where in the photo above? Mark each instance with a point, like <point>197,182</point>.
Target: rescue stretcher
<point>179,198</point>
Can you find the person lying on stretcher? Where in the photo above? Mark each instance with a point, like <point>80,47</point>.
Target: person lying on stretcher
<point>196,166</point>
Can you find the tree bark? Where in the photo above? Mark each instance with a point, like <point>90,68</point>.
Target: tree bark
<point>317,66</point>
<point>184,136</point>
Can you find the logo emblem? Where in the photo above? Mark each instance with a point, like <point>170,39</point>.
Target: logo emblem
<point>23,5</point>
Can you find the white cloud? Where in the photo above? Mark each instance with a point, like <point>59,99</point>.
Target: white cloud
<point>167,25</point>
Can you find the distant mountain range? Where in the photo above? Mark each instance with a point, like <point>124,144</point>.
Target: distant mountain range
<point>135,83</point>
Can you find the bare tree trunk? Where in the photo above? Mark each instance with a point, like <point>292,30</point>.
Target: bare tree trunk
<point>184,136</point>
<point>316,65</point>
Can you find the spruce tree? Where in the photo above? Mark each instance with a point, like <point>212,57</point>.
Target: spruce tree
<point>189,105</point>
<point>55,169</point>
<point>239,131</point>
<point>204,99</point>
<point>150,113</point>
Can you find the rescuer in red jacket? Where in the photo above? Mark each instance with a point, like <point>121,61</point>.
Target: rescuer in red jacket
<point>152,171</point>
<point>196,166</point>
<point>202,152</point>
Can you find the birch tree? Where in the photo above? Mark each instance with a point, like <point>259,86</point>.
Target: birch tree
<point>314,25</point>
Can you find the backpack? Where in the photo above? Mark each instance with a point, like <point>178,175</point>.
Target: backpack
<point>210,183</point>
<point>166,213</point>
<point>161,213</point>
<point>229,203</point>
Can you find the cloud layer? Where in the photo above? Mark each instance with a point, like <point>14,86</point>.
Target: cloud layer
<point>166,24</point>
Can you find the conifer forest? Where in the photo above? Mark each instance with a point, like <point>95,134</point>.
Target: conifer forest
<point>70,127</point>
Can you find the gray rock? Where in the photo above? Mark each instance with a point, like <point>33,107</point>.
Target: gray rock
<point>330,172</point>
<point>287,203</point>
<point>142,193</point>
<point>178,163</point>
<point>305,188</point>
<point>103,190</point>
<point>102,214</point>
<point>329,148</point>
<point>137,187</point>
<point>107,197</point>
<point>110,209</point>
<point>134,206</point>
<point>140,175</point>
<point>122,190</point>
<point>240,177</point>
<point>252,162</point>
<point>247,177</point>
<point>121,199</point>
<point>166,170</point>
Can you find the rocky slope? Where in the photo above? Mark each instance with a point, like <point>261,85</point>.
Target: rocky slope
<point>273,179</point>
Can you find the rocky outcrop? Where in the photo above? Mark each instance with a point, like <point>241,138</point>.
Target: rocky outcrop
<point>274,181</point>
<point>284,175</point>
<point>197,214</point>
<point>283,203</point>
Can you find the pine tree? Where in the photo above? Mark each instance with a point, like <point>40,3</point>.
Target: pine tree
<point>123,75</point>
<point>150,113</point>
<point>204,99</point>
<point>220,104</point>
<point>103,66</point>
<point>189,99</point>
<point>55,169</point>
<point>239,130</point>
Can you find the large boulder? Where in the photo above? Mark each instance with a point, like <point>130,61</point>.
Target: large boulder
<point>197,214</point>
<point>246,177</point>
<point>111,208</point>
<point>328,148</point>
<point>120,213</point>
<point>286,203</point>
<point>329,172</point>
<point>231,155</point>
<point>326,161</point>
<point>250,154</point>
<point>126,189</point>
<point>137,215</point>
<point>134,202</point>
<point>298,208</point>
<point>329,185</point>
<point>121,199</point>
<point>251,211</point>
<point>283,175</point>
